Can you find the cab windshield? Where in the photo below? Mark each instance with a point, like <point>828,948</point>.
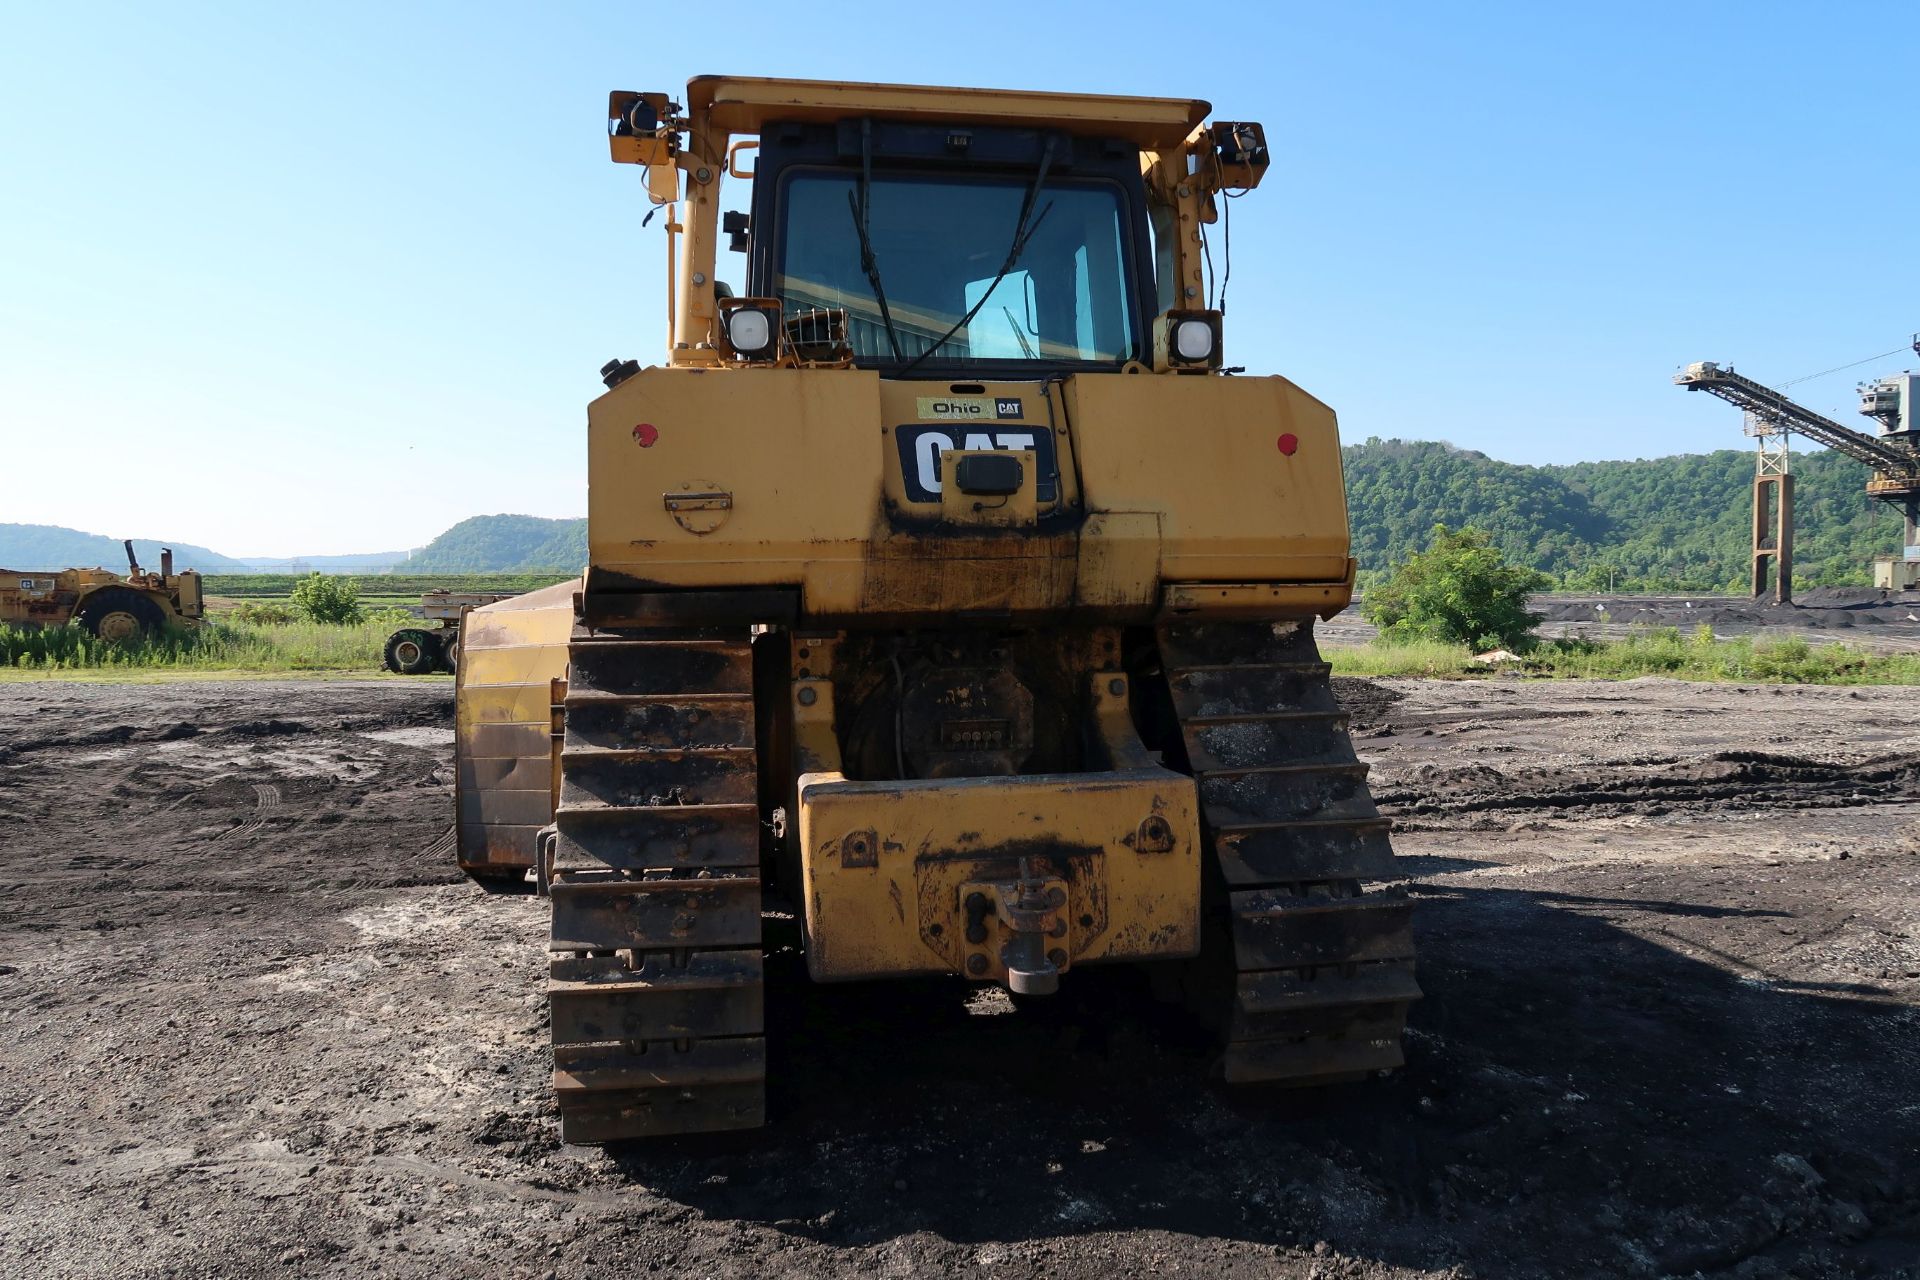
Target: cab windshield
<point>938,244</point>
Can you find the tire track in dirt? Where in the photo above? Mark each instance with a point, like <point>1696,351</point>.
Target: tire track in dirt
<point>266,800</point>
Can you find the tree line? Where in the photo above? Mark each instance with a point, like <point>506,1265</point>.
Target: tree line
<point>1661,524</point>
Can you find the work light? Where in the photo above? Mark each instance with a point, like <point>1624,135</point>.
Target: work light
<point>750,328</point>
<point>1187,340</point>
<point>1193,340</point>
<point>748,331</point>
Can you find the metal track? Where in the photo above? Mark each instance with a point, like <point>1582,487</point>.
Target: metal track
<point>656,984</point>
<point>1307,972</point>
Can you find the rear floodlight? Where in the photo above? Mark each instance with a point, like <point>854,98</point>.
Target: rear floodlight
<point>1193,340</point>
<point>1187,340</point>
<point>750,329</point>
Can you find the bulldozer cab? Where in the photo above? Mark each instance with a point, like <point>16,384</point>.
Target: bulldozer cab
<point>938,233</point>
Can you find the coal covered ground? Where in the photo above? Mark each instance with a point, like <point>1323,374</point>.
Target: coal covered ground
<point>1878,621</point>
<point>253,1023</point>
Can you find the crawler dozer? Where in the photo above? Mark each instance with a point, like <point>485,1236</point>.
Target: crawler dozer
<point>946,590</point>
<point>112,607</point>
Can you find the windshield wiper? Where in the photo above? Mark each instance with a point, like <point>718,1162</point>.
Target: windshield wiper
<point>859,206</point>
<point>1019,335</point>
<point>1022,231</point>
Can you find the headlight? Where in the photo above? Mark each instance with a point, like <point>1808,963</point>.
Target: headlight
<point>749,331</point>
<point>1193,339</point>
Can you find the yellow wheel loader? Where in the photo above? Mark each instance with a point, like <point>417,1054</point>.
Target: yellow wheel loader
<point>110,606</point>
<point>945,585</point>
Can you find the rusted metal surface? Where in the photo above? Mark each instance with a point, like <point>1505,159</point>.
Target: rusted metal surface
<point>1307,968</point>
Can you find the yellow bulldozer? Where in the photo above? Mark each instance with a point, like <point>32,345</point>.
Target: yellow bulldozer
<point>946,587</point>
<point>110,606</point>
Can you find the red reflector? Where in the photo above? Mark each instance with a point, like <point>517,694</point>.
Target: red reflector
<point>1288,443</point>
<point>645,434</point>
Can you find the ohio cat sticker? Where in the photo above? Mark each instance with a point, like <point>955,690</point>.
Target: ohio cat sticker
<point>968,408</point>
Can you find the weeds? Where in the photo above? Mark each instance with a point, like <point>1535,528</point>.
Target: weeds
<point>1413,658</point>
<point>216,646</point>
<point>1658,651</point>
<point>263,613</point>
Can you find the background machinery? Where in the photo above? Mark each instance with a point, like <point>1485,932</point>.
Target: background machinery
<point>945,588</point>
<point>110,606</point>
<point>1894,455</point>
<point>419,651</point>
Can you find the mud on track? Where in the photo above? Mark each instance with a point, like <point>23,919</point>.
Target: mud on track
<point>254,1024</point>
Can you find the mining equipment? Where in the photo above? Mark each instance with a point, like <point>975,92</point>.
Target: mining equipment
<point>107,604</point>
<point>1893,453</point>
<point>945,586</point>
<point>419,651</point>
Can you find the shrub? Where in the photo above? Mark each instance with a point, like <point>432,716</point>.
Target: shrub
<point>263,613</point>
<point>327,599</point>
<point>1460,590</point>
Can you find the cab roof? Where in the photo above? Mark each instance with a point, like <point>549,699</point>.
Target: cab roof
<point>744,104</point>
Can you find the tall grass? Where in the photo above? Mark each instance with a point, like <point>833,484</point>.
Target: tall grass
<point>216,646</point>
<point>1414,658</point>
<point>1660,651</point>
<point>1664,651</point>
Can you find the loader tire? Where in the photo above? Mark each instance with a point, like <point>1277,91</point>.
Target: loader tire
<point>118,615</point>
<point>411,651</point>
<point>655,977</point>
<point>1306,965</point>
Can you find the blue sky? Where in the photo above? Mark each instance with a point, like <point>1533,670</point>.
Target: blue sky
<point>308,279</point>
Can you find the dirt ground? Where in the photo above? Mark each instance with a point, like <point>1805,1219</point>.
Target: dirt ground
<point>255,1024</point>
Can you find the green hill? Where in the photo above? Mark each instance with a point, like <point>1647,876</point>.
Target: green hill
<point>1678,523</point>
<point>49,546</point>
<point>503,544</point>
